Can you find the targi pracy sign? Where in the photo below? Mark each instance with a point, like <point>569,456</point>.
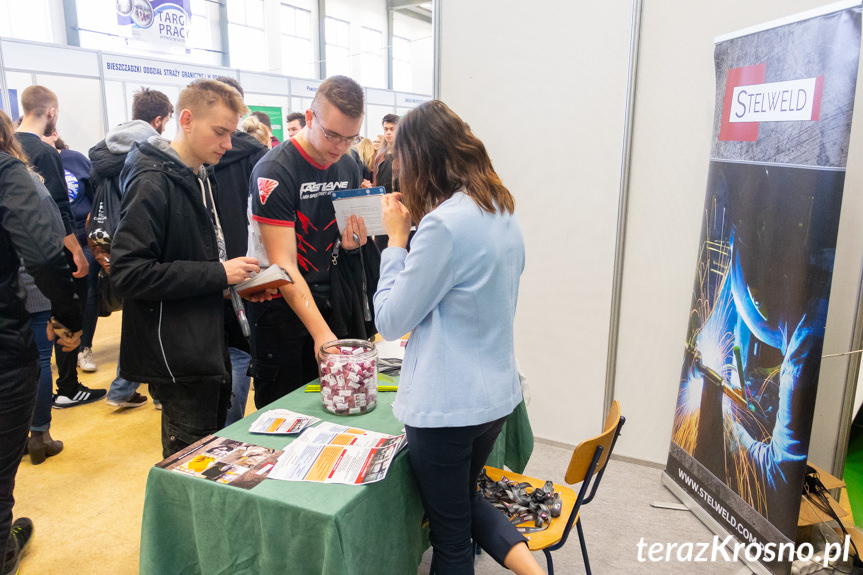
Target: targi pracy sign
<point>161,25</point>
<point>740,439</point>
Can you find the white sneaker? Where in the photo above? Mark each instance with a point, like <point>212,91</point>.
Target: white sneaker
<point>85,360</point>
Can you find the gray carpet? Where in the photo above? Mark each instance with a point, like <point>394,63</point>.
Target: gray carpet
<point>615,522</point>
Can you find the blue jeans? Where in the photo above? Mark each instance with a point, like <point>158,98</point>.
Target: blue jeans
<point>121,389</point>
<point>239,384</point>
<point>446,462</point>
<point>45,391</point>
<point>17,398</point>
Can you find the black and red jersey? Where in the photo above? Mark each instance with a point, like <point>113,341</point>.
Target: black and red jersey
<point>289,188</point>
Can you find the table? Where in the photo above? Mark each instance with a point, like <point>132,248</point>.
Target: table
<point>192,526</point>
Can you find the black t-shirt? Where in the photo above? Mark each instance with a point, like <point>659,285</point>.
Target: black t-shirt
<point>45,159</point>
<point>288,188</point>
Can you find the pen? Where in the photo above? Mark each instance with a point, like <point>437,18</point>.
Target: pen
<point>240,310</point>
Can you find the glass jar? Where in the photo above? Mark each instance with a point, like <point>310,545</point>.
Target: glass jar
<point>349,376</point>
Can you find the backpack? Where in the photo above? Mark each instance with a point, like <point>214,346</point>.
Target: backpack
<point>103,221</point>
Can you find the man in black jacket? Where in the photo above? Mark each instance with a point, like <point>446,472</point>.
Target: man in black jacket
<point>169,264</point>
<point>151,111</point>
<point>40,118</point>
<point>26,234</point>
<point>232,174</point>
<point>383,174</point>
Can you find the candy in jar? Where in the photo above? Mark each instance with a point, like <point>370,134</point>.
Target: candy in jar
<point>348,372</point>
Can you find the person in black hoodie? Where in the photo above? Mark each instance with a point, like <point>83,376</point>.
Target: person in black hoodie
<point>26,233</point>
<point>232,174</point>
<point>168,262</point>
<point>151,112</point>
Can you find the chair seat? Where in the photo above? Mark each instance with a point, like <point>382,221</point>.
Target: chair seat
<point>541,539</point>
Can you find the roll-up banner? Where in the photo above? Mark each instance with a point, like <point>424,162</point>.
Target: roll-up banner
<point>740,439</point>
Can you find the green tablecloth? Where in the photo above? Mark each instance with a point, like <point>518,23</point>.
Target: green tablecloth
<point>192,526</point>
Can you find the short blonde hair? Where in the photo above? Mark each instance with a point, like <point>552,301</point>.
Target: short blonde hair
<point>256,128</point>
<point>202,94</point>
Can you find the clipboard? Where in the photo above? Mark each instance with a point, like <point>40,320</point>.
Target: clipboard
<point>364,203</point>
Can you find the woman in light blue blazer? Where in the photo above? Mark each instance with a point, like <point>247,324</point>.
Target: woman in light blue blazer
<point>456,292</point>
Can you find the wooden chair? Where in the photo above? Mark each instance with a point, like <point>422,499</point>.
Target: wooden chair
<point>586,466</point>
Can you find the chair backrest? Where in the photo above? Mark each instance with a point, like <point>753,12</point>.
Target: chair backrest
<point>583,455</point>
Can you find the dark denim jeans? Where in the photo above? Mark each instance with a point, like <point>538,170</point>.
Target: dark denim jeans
<point>190,411</point>
<point>446,462</point>
<point>17,398</point>
<point>283,351</point>
<point>91,304</point>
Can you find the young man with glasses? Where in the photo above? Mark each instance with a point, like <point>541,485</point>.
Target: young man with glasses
<point>292,224</point>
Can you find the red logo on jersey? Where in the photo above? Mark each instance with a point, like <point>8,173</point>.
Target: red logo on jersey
<point>265,188</point>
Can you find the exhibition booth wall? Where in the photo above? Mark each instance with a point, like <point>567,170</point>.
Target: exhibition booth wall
<point>95,88</point>
<point>609,157</point>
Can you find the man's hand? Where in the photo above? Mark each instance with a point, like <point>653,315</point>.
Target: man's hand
<point>68,341</point>
<point>397,220</point>
<point>260,296</point>
<point>103,257</point>
<point>355,226</point>
<point>322,339</point>
<point>366,184</point>
<point>81,263</point>
<point>240,269</point>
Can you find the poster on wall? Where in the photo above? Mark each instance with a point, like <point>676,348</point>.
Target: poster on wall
<point>158,25</point>
<point>740,438</point>
<point>13,104</point>
<point>274,113</point>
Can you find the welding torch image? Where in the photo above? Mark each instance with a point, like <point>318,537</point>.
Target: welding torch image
<point>739,396</point>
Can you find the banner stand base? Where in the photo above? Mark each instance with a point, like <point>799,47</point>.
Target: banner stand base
<point>709,522</point>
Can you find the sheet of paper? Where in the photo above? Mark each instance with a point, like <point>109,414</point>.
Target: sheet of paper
<point>224,461</point>
<point>391,349</point>
<point>333,453</point>
<point>365,203</point>
<point>282,422</point>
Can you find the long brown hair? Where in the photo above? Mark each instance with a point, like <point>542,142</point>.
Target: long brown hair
<point>437,156</point>
<point>8,142</point>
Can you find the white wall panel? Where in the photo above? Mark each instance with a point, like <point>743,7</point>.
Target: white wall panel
<point>544,87</point>
<point>52,59</point>
<point>80,121</point>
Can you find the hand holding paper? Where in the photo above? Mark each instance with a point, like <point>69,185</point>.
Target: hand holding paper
<point>363,204</point>
<point>354,232</point>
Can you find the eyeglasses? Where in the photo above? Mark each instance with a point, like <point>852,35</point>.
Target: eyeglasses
<point>337,139</point>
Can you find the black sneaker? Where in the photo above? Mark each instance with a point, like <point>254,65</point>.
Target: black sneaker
<point>19,540</point>
<point>83,395</point>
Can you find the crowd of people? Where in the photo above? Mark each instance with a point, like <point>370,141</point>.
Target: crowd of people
<point>169,226</point>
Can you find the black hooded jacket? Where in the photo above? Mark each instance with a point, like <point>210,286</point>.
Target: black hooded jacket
<point>27,233</point>
<point>165,264</point>
<point>232,174</point>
